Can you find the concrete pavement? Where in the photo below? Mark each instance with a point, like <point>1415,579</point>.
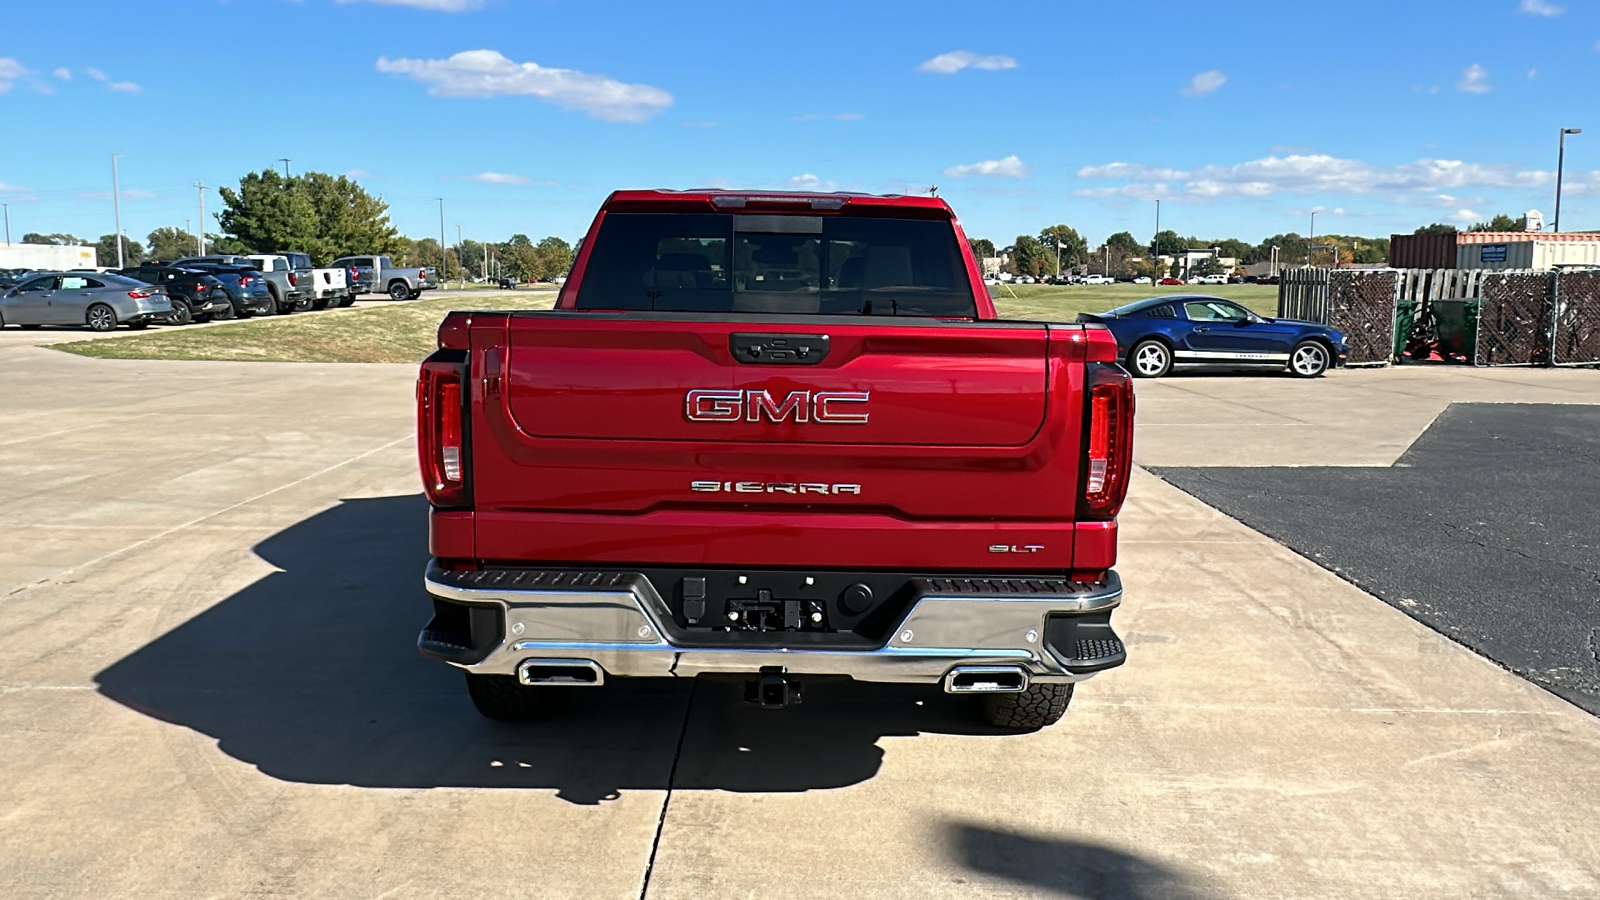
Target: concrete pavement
<point>209,595</point>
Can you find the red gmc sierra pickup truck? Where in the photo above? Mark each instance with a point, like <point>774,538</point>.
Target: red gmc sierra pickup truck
<point>773,436</point>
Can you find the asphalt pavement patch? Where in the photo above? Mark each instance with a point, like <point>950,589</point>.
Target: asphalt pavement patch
<point>1487,530</point>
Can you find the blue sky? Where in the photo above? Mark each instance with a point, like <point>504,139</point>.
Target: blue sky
<point>523,114</point>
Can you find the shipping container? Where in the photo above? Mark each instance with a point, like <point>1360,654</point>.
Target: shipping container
<point>1526,250</point>
<point>1422,251</point>
<point>45,257</point>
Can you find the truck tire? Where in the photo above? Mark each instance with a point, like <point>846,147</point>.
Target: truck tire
<point>399,290</point>
<point>181,313</point>
<point>345,301</point>
<point>1029,710</point>
<point>414,295</point>
<point>504,699</point>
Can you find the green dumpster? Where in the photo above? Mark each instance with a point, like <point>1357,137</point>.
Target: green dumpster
<point>1405,317</point>
<point>1457,321</point>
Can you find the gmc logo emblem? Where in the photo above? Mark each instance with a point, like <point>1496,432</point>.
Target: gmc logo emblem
<point>829,407</point>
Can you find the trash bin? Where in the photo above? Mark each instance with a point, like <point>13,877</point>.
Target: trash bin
<point>1405,317</point>
<point>1457,321</point>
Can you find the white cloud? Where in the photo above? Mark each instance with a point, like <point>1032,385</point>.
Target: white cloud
<point>1205,83</point>
<point>1541,8</point>
<point>94,73</point>
<point>955,61</point>
<point>14,189</point>
<point>63,73</point>
<point>357,174</point>
<point>1474,80</point>
<point>809,182</point>
<point>1309,174</point>
<point>10,70</point>
<point>486,73</point>
<point>126,87</point>
<point>1010,167</point>
<point>495,178</point>
<point>440,5</point>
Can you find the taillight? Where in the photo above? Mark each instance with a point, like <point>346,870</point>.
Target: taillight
<point>1108,449</point>
<point>293,279</point>
<point>441,432</point>
<point>140,294</point>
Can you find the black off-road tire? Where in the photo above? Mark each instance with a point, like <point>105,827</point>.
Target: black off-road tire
<point>1029,710</point>
<point>504,699</point>
<point>399,290</point>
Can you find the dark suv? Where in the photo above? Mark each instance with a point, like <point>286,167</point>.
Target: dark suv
<point>246,287</point>
<point>196,296</point>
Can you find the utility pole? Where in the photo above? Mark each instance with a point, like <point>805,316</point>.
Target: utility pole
<point>285,160</point>
<point>1155,249</point>
<point>8,223</point>
<point>1561,164</point>
<point>444,262</point>
<point>116,206</point>
<point>461,267</point>
<point>1311,239</point>
<point>200,233</point>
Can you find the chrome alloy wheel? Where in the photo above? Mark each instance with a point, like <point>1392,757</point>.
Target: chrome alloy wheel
<point>1309,360</point>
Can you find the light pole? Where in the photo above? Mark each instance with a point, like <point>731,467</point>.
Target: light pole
<point>444,262</point>
<point>285,160</point>
<point>8,223</point>
<point>461,269</point>
<point>200,233</point>
<point>1561,164</point>
<point>1312,238</point>
<point>1155,248</point>
<point>116,206</point>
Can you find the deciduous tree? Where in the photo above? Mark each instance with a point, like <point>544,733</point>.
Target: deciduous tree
<point>167,243</point>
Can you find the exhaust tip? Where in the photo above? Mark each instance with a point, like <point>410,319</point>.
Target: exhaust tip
<point>563,672</point>
<point>986,680</point>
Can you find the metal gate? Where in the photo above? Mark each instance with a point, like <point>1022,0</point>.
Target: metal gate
<point>1575,327</point>
<point>1361,304</point>
<point>1514,319</point>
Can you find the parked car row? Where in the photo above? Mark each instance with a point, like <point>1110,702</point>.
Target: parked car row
<point>201,288</point>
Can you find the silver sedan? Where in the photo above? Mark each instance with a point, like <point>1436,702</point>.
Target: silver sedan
<point>99,301</point>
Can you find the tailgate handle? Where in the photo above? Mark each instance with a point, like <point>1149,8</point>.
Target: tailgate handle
<point>779,349</point>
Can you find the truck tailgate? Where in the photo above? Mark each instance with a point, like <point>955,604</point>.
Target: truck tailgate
<point>912,442</point>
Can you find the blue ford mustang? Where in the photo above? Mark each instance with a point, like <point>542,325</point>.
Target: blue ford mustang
<point>1158,333</point>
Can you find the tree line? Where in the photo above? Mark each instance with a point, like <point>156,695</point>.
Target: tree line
<point>327,217</point>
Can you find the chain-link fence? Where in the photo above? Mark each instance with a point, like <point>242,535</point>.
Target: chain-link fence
<point>1514,319</point>
<point>1575,332</point>
<point>1361,304</point>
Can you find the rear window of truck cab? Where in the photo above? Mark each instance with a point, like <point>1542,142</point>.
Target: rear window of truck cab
<point>781,264</point>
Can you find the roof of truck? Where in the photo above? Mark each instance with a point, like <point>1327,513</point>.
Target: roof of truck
<point>709,200</point>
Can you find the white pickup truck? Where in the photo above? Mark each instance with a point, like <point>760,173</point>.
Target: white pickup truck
<point>331,288</point>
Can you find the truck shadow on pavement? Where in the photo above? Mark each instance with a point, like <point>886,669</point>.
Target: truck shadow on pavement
<point>1065,867</point>
<point>312,675</point>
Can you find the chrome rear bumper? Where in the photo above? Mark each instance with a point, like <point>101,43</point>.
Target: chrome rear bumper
<point>618,621</point>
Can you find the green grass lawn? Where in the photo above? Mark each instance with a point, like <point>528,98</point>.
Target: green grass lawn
<point>400,332</point>
<point>1062,303</point>
<point>404,332</point>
